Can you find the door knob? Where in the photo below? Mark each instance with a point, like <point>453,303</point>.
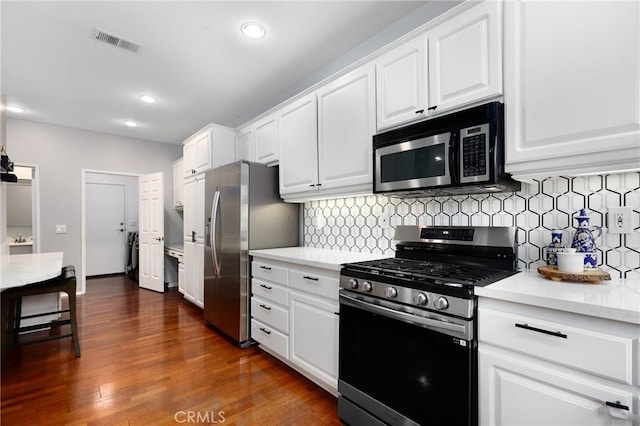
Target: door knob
<point>121,230</point>
<point>159,238</point>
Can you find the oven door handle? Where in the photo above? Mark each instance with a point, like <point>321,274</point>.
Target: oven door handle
<point>402,316</point>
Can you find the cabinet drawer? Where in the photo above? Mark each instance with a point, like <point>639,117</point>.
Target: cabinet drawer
<point>270,314</point>
<point>270,338</point>
<point>598,353</point>
<point>269,272</point>
<point>314,283</point>
<point>269,291</point>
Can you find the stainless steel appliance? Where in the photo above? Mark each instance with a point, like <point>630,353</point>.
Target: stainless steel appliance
<point>408,347</point>
<point>458,153</point>
<point>243,211</point>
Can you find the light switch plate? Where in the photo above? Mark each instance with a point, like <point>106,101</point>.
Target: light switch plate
<point>620,220</point>
<point>61,229</point>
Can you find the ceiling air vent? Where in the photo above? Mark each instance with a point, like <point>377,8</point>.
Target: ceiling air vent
<point>116,41</point>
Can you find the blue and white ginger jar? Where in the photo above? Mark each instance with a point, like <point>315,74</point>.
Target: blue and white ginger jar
<point>584,240</point>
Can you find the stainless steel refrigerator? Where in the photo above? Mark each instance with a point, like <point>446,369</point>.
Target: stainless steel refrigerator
<point>243,211</point>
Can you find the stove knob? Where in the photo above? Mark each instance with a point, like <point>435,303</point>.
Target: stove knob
<point>353,284</point>
<point>391,292</point>
<point>366,286</point>
<point>420,299</point>
<point>442,304</point>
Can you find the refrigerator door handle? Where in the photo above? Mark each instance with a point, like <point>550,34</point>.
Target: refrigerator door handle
<point>214,237</point>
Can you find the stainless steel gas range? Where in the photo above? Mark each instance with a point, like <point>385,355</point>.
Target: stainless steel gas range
<point>408,347</point>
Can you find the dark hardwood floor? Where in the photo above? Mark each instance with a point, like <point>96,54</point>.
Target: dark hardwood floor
<point>149,359</point>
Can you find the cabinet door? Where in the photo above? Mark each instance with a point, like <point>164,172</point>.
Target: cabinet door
<point>178,184</point>
<point>181,275</point>
<point>313,336</point>
<point>266,140</point>
<point>401,84</point>
<point>517,390</point>
<point>346,124</point>
<point>203,152</point>
<point>298,138</point>
<point>189,208</point>
<point>245,144</point>
<point>572,80</point>
<point>465,57</point>
<point>189,259</point>
<point>198,216</point>
<point>199,274</point>
<point>189,158</point>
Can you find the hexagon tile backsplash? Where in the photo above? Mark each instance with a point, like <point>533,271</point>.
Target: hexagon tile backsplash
<point>358,223</point>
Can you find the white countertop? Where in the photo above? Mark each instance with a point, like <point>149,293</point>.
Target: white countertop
<point>22,269</point>
<point>318,257</point>
<point>616,299</point>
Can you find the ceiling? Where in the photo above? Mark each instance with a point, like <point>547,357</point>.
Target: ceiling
<point>194,59</point>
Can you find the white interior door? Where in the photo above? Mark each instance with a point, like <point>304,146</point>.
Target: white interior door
<point>151,229</point>
<point>106,236</point>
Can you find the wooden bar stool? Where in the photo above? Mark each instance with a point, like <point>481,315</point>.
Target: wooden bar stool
<point>11,310</point>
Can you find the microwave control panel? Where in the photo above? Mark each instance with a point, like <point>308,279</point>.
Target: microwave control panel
<point>474,158</point>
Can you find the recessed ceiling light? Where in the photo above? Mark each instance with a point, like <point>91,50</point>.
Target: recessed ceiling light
<point>148,99</point>
<point>252,30</point>
<point>130,123</point>
<point>17,109</point>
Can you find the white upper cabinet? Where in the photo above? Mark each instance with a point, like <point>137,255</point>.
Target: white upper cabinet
<point>572,87</point>
<point>346,124</point>
<point>401,84</point>
<point>266,140</point>
<point>456,63</point>
<point>465,58</point>
<point>325,139</point>
<point>210,147</point>
<point>245,144</point>
<point>298,145</point>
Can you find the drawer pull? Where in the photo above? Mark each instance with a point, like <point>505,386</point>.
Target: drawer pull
<point>540,330</point>
<point>617,405</point>
<point>268,268</point>
<point>266,286</point>
<point>264,330</point>
<point>268,308</point>
<point>306,277</point>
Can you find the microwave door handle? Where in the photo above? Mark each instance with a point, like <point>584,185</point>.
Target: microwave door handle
<point>454,159</point>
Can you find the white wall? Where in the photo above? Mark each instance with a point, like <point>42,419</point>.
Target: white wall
<point>62,153</point>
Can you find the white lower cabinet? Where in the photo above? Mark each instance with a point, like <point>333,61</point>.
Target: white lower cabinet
<point>181,272</point>
<point>314,336</point>
<point>541,367</point>
<point>519,390</point>
<point>294,316</point>
<point>270,307</point>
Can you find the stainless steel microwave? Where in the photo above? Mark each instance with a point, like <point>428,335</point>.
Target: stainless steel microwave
<point>458,153</point>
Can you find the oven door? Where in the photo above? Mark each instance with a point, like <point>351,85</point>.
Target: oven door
<point>395,371</point>
<point>413,164</point>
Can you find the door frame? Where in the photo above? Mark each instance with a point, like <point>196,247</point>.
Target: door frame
<point>82,287</point>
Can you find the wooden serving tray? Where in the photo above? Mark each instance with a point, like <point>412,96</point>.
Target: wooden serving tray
<point>593,276</point>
